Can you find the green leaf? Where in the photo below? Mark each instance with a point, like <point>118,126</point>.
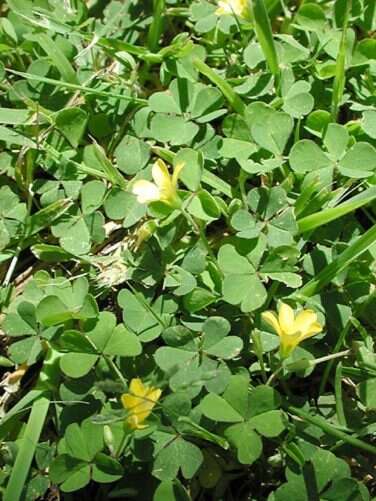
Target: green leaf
<point>270,129</point>
<point>269,424</point>
<point>172,129</point>
<point>246,441</point>
<point>306,156</point>
<point>228,348</point>
<point>92,194</point>
<point>237,393</point>
<point>12,116</point>
<point>168,358</point>
<point>214,329</point>
<point>77,480</point>
<point>63,466</point>
<point>359,161</point>
<point>192,171</point>
<point>217,408</point>
<point>170,490</point>
<point>76,365</point>
<point>122,343</point>
<point>178,454</point>
<point>336,140</point>
<point>198,299</point>
<point>76,237</point>
<point>163,102</point>
<point>139,316</point>
<point>311,17</point>
<point>325,216</point>
<point>52,311</point>
<point>298,102</point>
<point>12,137</point>
<point>241,284</point>
<point>262,399</point>
<point>84,441</point>
<point>369,123</point>
<point>72,124</point>
<point>132,155</point>
<point>76,342</point>
<point>106,469</point>
<point>50,253</point>
<point>235,148</point>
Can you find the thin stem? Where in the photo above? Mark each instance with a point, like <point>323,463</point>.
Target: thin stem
<point>338,393</point>
<point>242,180</point>
<point>143,303</point>
<point>271,293</point>
<point>259,352</point>
<point>343,353</point>
<point>330,429</point>
<point>116,369</point>
<point>124,442</point>
<point>273,376</point>
<point>337,346</point>
<point>198,230</point>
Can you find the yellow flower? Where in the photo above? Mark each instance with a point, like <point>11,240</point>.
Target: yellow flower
<point>164,188</point>
<point>292,329</point>
<point>139,403</point>
<point>238,7</point>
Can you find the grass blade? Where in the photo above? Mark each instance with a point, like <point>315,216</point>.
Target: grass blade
<point>156,26</point>
<point>327,215</point>
<point>20,407</point>
<point>234,100</point>
<point>82,88</point>
<point>57,57</point>
<point>339,79</point>
<point>339,397</point>
<point>26,451</point>
<point>361,245</point>
<point>265,37</point>
<point>331,430</point>
<point>46,216</point>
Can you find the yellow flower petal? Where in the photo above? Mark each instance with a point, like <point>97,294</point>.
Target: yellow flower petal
<point>146,191</point>
<point>286,318</point>
<point>175,176</point>
<point>304,320</point>
<point>137,387</point>
<point>288,344</point>
<point>139,402</point>
<point>160,174</point>
<point>271,318</point>
<point>129,401</point>
<point>314,329</point>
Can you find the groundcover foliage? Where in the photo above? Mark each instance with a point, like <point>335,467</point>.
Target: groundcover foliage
<point>187,250</point>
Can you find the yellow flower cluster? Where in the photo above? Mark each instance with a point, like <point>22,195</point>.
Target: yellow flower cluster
<point>139,403</point>
<point>292,329</point>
